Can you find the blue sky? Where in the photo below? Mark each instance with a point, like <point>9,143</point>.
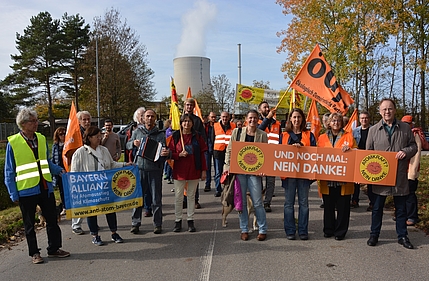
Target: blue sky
<point>221,25</point>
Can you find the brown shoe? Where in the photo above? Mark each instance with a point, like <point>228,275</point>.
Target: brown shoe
<point>37,259</point>
<point>244,236</point>
<point>59,254</point>
<point>261,237</point>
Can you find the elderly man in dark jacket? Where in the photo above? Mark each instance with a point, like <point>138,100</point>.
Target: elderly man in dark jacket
<point>393,135</point>
<point>150,171</point>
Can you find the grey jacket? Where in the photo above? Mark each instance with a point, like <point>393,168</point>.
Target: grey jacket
<point>155,134</point>
<point>402,140</point>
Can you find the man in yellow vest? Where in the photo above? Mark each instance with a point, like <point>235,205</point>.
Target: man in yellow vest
<point>29,182</point>
<point>271,126</point>
<point>222,131</point>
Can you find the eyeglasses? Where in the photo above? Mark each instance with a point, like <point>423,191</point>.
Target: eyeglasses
<point>62,134</point>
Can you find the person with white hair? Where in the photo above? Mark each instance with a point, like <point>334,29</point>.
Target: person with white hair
<point>28,177</point>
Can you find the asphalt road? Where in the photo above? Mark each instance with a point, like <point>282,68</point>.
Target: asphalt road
<point>216,253</point>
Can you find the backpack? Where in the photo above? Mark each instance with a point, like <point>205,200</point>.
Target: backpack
<point>419,131</point>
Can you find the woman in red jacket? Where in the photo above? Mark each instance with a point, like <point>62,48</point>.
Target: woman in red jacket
<point>187,147</point>
<point>336,194</point>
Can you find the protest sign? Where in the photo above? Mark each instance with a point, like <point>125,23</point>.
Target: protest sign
<point>102,192</point>
<point>320,163</point>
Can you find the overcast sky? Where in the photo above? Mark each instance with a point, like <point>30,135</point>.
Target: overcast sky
<point>172,28</point>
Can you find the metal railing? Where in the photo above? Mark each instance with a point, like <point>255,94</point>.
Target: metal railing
<point>7,129</point>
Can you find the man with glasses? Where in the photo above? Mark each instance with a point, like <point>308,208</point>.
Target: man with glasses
<point>84,118</point>
<point>223,131</point>
<point>390,134</point>
<point>28,177</point>
<point>361,134</point>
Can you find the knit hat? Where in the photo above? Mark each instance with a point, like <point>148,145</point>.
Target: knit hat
<point>407,119</point>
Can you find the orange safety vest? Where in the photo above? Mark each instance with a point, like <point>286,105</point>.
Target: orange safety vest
<point>273,133</point>
<point>305,139</point>
<point>221,137</point>
<point>346,139</point>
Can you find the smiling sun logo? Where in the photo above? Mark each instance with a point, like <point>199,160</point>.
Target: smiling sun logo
<point>250,158</point>
<point>374,167</point>
<point>124,183</point>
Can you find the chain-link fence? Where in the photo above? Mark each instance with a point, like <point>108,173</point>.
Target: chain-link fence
<point>7,129</point>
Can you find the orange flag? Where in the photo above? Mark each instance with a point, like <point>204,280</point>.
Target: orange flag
<point>197,110</point>
<point>314,119</point>
<point>174,108</point>
<point>353,121</point>
<point>317,81</point>
<point>73,138</point>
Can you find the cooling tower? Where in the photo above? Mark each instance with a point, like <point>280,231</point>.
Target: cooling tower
<point>191,72</point>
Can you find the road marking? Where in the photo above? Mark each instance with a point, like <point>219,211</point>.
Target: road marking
<point>208,257</point>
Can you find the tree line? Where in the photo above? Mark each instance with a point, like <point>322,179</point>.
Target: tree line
<point>377,48</point>
<point>56,61</point>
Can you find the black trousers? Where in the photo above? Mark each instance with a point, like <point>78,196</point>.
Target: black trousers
<point>47,204</point>
<point>339,224</point>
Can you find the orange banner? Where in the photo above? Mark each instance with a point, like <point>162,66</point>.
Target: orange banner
<point>317,81</point>
<point>73,138</point>
<point>314,119</point>
<point>320,163</point>
<point>353,122</point>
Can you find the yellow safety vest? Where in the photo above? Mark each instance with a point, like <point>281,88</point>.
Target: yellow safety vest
<point>27,170</point>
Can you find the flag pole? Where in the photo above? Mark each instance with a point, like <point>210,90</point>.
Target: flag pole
<point>282,97</point>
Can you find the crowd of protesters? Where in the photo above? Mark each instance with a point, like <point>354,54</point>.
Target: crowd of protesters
<point>201,144</point>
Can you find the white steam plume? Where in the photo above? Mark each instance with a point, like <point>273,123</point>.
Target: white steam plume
<point>195,23</point>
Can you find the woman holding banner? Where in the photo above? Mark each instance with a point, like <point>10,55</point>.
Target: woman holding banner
<point>92,156</point>
<point>251,183</point>
<point>336,195</point>
<point>296,134</point>
<point>187,149</point>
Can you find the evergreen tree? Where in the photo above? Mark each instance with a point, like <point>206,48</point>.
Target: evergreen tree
<point>37,67</point>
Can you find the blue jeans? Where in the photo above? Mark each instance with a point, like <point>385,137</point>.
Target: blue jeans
<point>291,186</point>
<point>111,222</point>
<point>168,171</point>
<point>218,163</point>
<point>412,214</point>
<point>253,184</point>
<point>153,182</point>
<point>209,157</point>
<point>401,215</point>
